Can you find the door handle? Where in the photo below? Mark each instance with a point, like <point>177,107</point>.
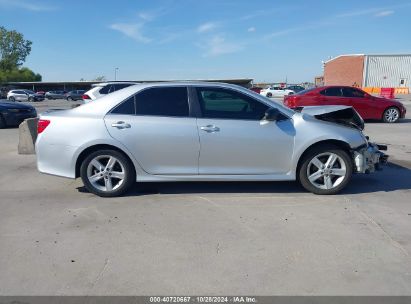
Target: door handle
<point>210,128</point>
<point>121,125</point>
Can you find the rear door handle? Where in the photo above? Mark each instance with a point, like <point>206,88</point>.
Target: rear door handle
<point>120,125</point>
<point>210,128</point>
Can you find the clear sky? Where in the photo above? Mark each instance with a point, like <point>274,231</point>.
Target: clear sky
<point>267,40</point>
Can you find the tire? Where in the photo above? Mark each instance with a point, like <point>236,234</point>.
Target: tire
<point>269,95</point>
<point>2,122</point>
<point>391,115</point>
<point>11,98</point>
<point>31,99</point>
<point>324,180</point>
<point>70,98</point>
<point>104,184</point>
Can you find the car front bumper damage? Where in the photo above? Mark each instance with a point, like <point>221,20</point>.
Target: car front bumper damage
<point>370,158</point>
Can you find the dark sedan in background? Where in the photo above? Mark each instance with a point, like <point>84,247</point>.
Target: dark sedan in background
<point>75,95</point>
<point>13,114</point>
<point>60,94</point>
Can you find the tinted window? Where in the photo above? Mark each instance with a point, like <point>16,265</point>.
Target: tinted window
<point>106,89</point>
<point>331,92</point>
<point>127,107</point>
<point>227,104</point>
<point>351,92</point>
<point>163,102</point>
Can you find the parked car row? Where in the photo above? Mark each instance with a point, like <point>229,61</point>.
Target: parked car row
<point>28,95</point>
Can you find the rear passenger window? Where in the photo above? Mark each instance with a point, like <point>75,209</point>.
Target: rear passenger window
<point>331,92</point>
<point>126,108</point>
<point>163,102</point>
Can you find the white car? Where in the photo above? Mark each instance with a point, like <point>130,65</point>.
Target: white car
<point>276,92</point>
<point>100,89</point>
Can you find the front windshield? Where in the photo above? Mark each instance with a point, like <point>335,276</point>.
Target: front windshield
<point>29,92</point>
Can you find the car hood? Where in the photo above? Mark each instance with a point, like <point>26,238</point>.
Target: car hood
<point>13,105</point>
<point>344,115</point>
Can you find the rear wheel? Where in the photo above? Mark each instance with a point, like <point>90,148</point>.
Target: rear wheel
<point>269,95</point>
<point>107,173</point>
<point>70,98</point>
<point>325,170</point>
<point>391,115</point>
<point>11,98</point>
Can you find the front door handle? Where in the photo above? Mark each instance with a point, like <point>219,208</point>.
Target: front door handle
<point>120,125</point>
<point>210,128</point>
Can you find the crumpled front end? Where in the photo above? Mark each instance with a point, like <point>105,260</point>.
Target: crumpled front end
<point>370,158</point>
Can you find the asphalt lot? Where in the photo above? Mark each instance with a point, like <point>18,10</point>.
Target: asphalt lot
<point>206,238</point>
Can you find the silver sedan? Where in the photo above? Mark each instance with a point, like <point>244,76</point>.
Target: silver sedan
<point>202,132</point>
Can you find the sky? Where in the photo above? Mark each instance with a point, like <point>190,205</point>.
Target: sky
<point>267,40</point>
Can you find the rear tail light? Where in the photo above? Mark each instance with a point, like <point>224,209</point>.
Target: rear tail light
<point>290,101</point>
<point>42,125</point>
<point>85,96</point>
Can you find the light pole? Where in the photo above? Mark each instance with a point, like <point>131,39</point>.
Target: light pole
<point>115,74</point>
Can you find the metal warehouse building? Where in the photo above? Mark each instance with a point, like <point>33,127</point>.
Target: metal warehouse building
<point>371,72</point>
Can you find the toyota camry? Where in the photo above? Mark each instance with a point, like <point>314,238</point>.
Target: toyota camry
<point>196,131</point>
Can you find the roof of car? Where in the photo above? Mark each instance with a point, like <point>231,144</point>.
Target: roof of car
<point>104,104</point>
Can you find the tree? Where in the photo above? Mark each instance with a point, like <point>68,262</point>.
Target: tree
<point>23,74</point>
<point>13,49</point>
<point>100,78</point>
<point>13,52</point>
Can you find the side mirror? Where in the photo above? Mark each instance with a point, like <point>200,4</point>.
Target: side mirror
<point>272,114</point>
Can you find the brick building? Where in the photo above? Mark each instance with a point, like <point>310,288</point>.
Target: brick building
<point>369,70</point>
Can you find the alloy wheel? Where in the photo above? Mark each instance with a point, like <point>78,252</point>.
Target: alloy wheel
<point>326,170</point>
<point>106,173</point>
<point>391,115</point>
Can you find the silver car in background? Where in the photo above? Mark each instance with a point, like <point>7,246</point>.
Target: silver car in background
<point>198,131</point>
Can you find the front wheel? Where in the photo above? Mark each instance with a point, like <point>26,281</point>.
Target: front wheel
<point>12,99</point>
<point>391,115</point>
<point>269,95</point>
<point>107,173</point>
<point>325,170</point>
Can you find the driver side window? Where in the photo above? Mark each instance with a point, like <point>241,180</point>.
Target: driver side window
<point>228,104</point>
<point>351,92</point>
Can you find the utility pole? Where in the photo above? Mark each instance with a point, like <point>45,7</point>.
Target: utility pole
<point>115,74</point>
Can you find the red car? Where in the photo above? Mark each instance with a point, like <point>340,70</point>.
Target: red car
<point>256,89</point>
<point>368,106</point>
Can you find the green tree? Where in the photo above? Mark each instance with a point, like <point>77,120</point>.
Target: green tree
<point>23,74</point>
<point>13,52</point>
<point>13,49</point>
